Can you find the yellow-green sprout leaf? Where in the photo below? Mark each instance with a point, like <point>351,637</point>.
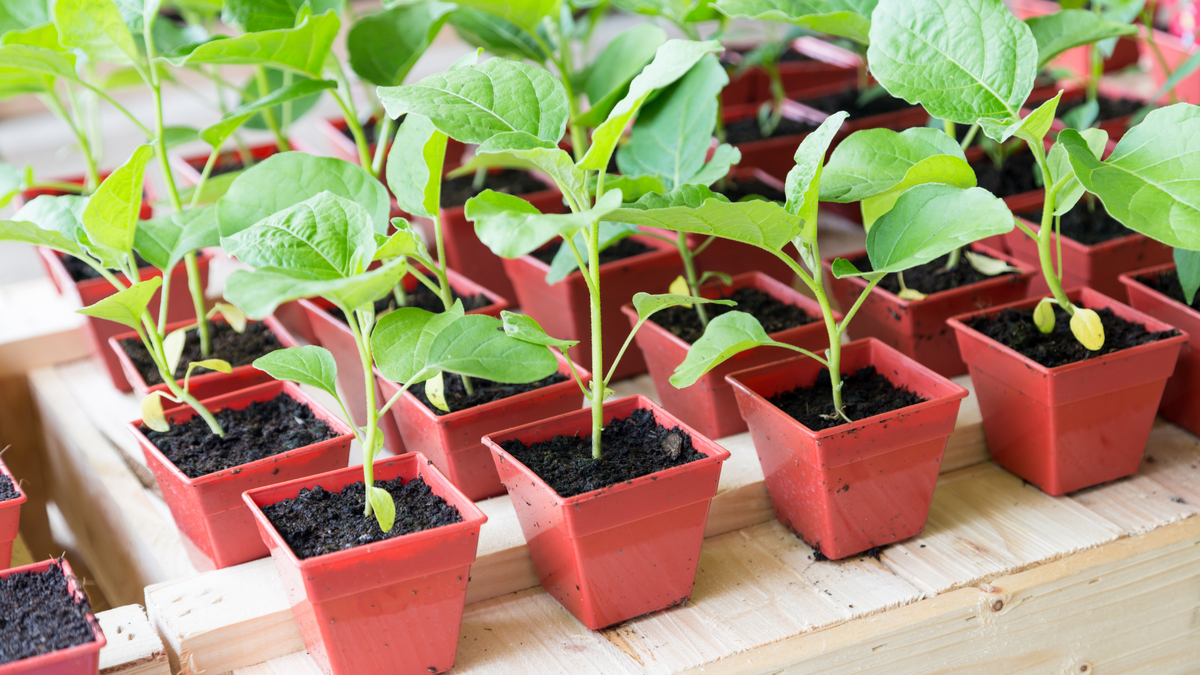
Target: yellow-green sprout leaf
<point>435,391</point>
<point>235,317</point>
<point>679,287</point>
<point>1043,315</point>
<point>125,307</point>
<point>383,506</point>
<point>988,266</point>
<point>152,413</point>
<point>911,294</point>
<point>1086,326</point>
<point>173,348</point>
<point>211,364</point>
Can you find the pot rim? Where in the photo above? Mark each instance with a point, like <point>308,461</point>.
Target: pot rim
<point>21,497</point>
<point>54,258</point>
<point>660,249</point>
<point>1136,276</point>
<point>76,589</point>
<point>498,303</point>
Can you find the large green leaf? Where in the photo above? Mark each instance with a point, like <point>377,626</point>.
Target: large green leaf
<point>694,208</point>
<point>526,14</point>
<point>25,232</point>
<point>407,32</point>
<point>310,365</point>
<point>944,169</point>
<point>961,59</point>
<point>22,14</point>
<point>473,103</point>
<point>844,18</point>
<point>803,183</point>
<point>726,336</point>
<point>216,134</point>
<point>111,216</point>
<point>96,27</point>
<point>295,108</point>
<point>608,77</point>
<point>873,161</point>
<point>929,221</point>
<point>538,154</point>
<point>512,227</point>
<point>43,35</point>
<point>1056,33</point>
<point>1069,190</point>
<point>62,214</point>
<point>258,293</point>
<point>163,241</point>
<point>497,36</point>
<point>258,15</point>
<point>302,49</point>
<point>289,178</point>
<point>125,307</point>
<point>1151,181</point>
<point>38,60</point>
<point>402,338</point>
<point>672,61</point>
<point>414,166</point>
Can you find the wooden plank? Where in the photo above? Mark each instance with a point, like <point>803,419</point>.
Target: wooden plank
<point>40,327</point>
<point>133,647</point>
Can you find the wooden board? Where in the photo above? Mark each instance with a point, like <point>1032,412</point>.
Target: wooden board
<point>133,647</point>
<point>40,327</point>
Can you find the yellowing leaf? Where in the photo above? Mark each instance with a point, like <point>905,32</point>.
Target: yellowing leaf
<point>435,391</point>
<point>173,348</point>
<point>235,317</point>
<point>679,287</point>
<point>1043,315</point>
<point>1086,326</point>
<point>152,413</point>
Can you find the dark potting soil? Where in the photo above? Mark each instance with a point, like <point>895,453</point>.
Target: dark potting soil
<point>631,447</point>
<point>747,130</point>
<point>1086,226</point>
<point>39,615</point>
<point>865,393</point>
<point>1110,108</point>
<point>318,521</point>
<point>456,191</point>
<point>626,248</point>
<point>227,162</point>
<point>1168,284</point>
<point>1015,329</point>
<point>848,101</point>
<point>737,190</point>
<point>773,314</point>
<point>932,277</point>
<point>1013,177</point>
<point>486,391</point>
<point>422,298</point>
<point>227,344</point>
<point>81,271</point>
<point>793,56</point>
<point>261,429</point>
<point>7,489</point>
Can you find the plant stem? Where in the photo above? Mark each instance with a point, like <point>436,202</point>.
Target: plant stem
<point>264,88</point>
<point>383,132</point>
<point>1045,256</point>
<point>208,167</point>
<point>362,338</point>
<point>85,146</point>
<point>196,288</point>
<point>948,126</point>
<point>953,260</point>
<point>966,142</point>
<point>689,270</point>
<point>350,113</point>
<point>593,271</point>
<point>153,343</point>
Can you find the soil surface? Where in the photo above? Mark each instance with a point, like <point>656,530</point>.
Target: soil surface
<point>1013,177</point>
<point>1015,329</point>
<point>737,190</point>
<point>1086,226</point>
<point>421,298</point>
<point>848,101</point>
<point>7,489</point>
<point>456,191</point>
<point>1110,108</point>
<point>632,447</point>
<point>626,248</point>
<point>775,316</point>
<point>1166,283</point>
<point>486,391</point>
<point>81,271</point>
<point>865,393</point>
<point>932,277</point>
<point>227,162</point>
<point>261,429</point>
<point>317,521</point>
<point>39,615</point>
<point>747,130</point>
<point>239,349</point>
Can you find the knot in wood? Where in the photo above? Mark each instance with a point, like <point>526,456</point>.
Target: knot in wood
<point>997,605</point>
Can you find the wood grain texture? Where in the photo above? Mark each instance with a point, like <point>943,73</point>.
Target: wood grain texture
<point>133,645</point>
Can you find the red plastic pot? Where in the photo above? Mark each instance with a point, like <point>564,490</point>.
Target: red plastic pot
<point>1071,427</point>
<point>26,196</point>
<point>709,406</point>
<point>335,336</point>
<point>564,309</point>
<point>917,328</point>
<point>1176,53</point>
<point>81,659</point>
<point>1079,59</point>
<point>622,551</point>
<point>774,155</point>
<point>1181,397</point>
<point>857,486</point>
<point>189,168</point>
<point>99,332</point>
<point>10,519</point>
<point>204,384</point>
<point>391,607</point>
<point>452,440</point>
<point>217,527</point>
<point>830,63</point>
<point>913,116</point>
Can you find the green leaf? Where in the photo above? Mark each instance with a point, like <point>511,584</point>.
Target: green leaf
<point>404,241</point>
<point>542,155</point>
<point>407,32</point>
<point>930,221</point>
<point>873,161</point>
<point>1187,266</point>
<point>526,14</point>
<point>473,103</point>
<point>564,262</point>
<point>56,215</point>
<point>647,304</point>
<point>111,216</point>
<point>850,19</point>
<point>276,80</point>
<point>672,61</point>
<point>302,49</point>
<point>526,329</point>
<point>803,182</point>
<point>28,233</point>
<point>608,77</point>
<point>1151,181</point>
<point>632,189</point>
<point>497,36</point>
<point>126,307</point>
<point>962,59</point>
<point>726,336</point>
<point>310,365</point>
<point>435,391</point>
<point>38,60</point>
<point>288,178</point>
<point>1069,190</point>
<point>414,166</point>
<point>163,241</point>
<point>384,508</point>
<point>512,227</point>
<point>258,293</point>
<point>944,169</point>
<point>1032,128</point>
<point>477,346</point>
<point>724,157</point>
<point>43,35</point>
<point>1180,74</point>
<point>18,15</point>
<point>96,27</point>
<point>216,134</point>
<point>258,15</point>
<point>1056,33</point>
<point>694,208</point>
<point>402,338</point>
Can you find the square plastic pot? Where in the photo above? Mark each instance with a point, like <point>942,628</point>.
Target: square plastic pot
<point>1071,427</point>
<point>1181,397</point>
<point>10,519</point>
<point>390,607</point>
<point>709,405</point>
<point>453,442</point>
<point>99,332</point>
<point>218,529</point>
<point>564,309</point>
<point>773,156</point>
<point>917,328</point>
<point>81,659</point>
<point>621,551</point>
<point>205,384</point>
<point>334,335</point>
<point>1176,53</point>
<point>857,486</point>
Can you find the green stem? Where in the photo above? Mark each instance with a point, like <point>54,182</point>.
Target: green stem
<point>264,88</point>
<point>1168,71</point>
<point>350,113</point>
<point>358,326</point>
<point>1045,256</point>
<point>196,288</point>
<point>955,257</point>
<point>593,271</point>
<point>383,132</point>
<point>208,167</point>
<point>153,344</point>
<point>85,145</point>
<point>966,142</point>
<point>689,271</point>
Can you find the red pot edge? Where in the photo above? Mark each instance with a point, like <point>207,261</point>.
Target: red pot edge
<point>472,516</point>
<point>1093,249</point>
<point>275,387</point>
<point>51,258</point>
<point>956,392</point>
<point>1135,277</point>
<point>34,664</point>
<point>1083,295</point>
<point>661,249</point>
<point>458,283</point>
<point>185,165</point>
<point>21,496</point>
<point>714,452</point>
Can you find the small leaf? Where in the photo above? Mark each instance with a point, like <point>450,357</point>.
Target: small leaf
<point>235,317</point>
<point>941,169</point>
<point>804,180</point>
<point>309,365</point>
<point>618,63</point>
<point>726,336</point>
<point>1069,190</point>
<point>527,14</point>
<point>1187,266</point>
<point>218,365</point>
<point>697,209</point>
<point>911,294</point>
<point>414,166</point>
<point>680,287</point>
<point>1088,329</point>
<point>258,293</point>
<point>988,266</point>
<point>476,346</point>
<point>538,154</point>
<point>843,268</point>
<point>647,304</point>
<point>216,134</point>
<point>1068,28</point>
<point>1032,128</point>
<point>402,338</point>
<point>406,30</point>
<point>173,346</point>
<point>383,507</point>
<point>874,161</point>
<point>152,412</point>
<point>1082,116</point>
<point>435,391</point>
<point>404,241</point>
<point>512,227</point>
<point>125,307</point>
<point>110,218</point>
<point>302,49</point>
<point>850,19</point>
<point>527,329</point>
<point>1043,315</point>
